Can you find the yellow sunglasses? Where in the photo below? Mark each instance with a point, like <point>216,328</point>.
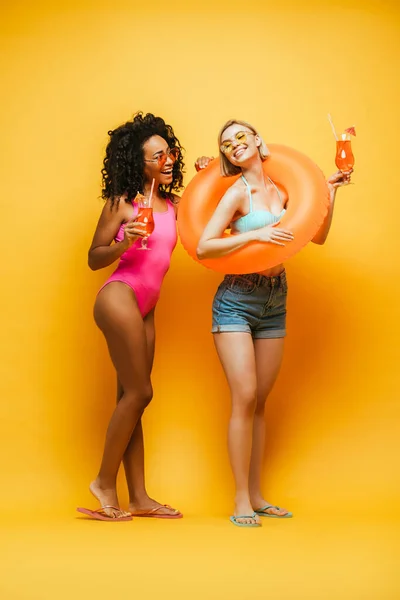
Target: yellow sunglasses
<point>240,138</point>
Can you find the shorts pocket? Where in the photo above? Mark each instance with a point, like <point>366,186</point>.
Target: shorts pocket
<point>240,284</point>
<point>222,288</point>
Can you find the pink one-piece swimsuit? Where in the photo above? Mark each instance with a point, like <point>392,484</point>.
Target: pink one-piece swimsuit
<point>143,270</point>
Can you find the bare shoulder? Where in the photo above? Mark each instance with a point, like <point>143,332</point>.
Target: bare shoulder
<point>235,194</point>
<point>118,210</point>
<point>175,199</point>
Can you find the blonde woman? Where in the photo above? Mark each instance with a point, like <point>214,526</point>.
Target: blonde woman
<point>249,311</point>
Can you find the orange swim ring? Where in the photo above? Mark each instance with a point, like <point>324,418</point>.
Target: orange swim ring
<point>307,206</point>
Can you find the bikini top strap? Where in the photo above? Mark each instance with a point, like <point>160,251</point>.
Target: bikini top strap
<point>250,196</point>
<point>249,191</point>
<point>276,187</point>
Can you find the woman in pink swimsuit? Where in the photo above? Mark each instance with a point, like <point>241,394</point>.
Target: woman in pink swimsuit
<point>138,151</point>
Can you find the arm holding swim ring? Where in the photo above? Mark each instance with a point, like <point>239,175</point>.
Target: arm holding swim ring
<point>213,245</point>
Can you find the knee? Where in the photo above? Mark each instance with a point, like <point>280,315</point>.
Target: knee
<point>245,402</point>
<point>260,405</point>
<point>138,399</point>
<point>146,395</point>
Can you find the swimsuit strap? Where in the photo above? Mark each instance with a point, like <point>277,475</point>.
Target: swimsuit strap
<point>249,191</point>
<point>276,187</point>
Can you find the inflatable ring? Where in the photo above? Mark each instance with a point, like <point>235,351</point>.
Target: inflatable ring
<point>308,201</point>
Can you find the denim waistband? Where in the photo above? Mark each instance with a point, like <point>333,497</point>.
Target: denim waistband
<point>258,279</point>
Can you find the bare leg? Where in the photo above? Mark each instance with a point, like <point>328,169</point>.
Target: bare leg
<point>269,354</point>
<point>236,353</point>
<point>118,316</point>
<point>139,500</point>
<point>134,454</point>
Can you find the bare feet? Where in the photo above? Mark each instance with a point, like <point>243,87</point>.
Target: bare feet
<point>107,498</point>
<point>146,504</point>
<point>266,507</point>
<point>244,507</point>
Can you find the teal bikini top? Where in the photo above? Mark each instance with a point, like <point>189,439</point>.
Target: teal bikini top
<point>255,219</point>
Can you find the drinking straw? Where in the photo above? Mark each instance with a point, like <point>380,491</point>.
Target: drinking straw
<point>333,127</point>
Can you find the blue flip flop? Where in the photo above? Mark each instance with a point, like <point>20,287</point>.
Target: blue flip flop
<point>261,512</point>
<point>233,520</point>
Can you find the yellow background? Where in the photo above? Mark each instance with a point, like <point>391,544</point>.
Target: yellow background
<point>73,70</point>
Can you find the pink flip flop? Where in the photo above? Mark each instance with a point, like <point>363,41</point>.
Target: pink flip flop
<point>100,515</point>
<point>152,514</point>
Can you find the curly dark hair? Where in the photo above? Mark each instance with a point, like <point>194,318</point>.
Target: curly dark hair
<point>122,172</point>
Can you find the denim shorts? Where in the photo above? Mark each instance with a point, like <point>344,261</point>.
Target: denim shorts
<point>252,304</point>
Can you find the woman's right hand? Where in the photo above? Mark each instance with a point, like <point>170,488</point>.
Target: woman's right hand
<point>202,162</point>
<point>273,235</point>
<point>132,231</point>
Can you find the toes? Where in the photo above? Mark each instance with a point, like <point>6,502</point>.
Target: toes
<point>116,513</point>
<point>169,510</point>
<point>275,510</point>
<point>249,521</point>
<point>282,512</point>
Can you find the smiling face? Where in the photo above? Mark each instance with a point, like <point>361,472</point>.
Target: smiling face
<point>239,144</point>
<point>158,160</point>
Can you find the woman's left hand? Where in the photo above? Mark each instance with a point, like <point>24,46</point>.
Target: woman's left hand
<point>338,179</point>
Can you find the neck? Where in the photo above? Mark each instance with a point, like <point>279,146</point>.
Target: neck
<point>254,174</point>
<point>147,188</point>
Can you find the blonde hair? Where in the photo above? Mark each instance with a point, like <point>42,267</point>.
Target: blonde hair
<point>227,168</point>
